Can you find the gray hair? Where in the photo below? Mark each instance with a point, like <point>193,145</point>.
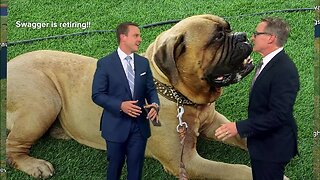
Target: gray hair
<point>279,28</point>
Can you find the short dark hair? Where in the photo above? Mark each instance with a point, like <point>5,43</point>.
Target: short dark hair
<point>279,28</point>
<point>123,29</point>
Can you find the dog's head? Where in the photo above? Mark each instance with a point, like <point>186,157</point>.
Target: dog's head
<point>199,55</point>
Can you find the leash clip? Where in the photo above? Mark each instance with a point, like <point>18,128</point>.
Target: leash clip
<point>179,116</point>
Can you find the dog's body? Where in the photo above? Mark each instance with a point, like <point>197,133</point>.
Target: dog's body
<point>195,57</point>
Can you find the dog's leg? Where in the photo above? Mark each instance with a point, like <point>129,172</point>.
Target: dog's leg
<point>168,150</point>
<point>200,168</point>
<point>164,145</point>
<point>216,120</point>
<point>30,112</point>
<point>57,132</point>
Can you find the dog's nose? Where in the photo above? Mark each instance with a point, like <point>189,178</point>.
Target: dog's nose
<point>240,36</point>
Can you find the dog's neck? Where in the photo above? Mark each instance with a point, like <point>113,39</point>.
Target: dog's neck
<point>158,74</point>
<point>172,94</point>
<point>165,89</point>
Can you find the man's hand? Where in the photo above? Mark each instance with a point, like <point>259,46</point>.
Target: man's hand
<point>130,108</point>
<point>226,131</point>
<point>153,113</point>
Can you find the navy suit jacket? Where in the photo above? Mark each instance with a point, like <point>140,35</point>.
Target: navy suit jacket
<point>110,88</point>
<point>270,129</point>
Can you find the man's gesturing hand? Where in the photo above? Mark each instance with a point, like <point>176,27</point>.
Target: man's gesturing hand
<point>130,108</point>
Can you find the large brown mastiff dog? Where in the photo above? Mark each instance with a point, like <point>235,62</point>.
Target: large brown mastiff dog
<point>190,63</point>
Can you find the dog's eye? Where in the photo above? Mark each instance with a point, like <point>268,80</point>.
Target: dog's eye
<point>219,36</point>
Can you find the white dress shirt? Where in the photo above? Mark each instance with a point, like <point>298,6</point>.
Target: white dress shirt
<point>268,58</point>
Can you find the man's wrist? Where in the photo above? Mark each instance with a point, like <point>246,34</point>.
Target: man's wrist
<point>156,106</point>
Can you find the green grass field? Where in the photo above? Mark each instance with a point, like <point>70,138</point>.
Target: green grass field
<point>75,161</point>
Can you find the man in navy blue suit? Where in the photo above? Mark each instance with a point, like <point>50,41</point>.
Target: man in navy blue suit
<point>123,85</point>
<point>270,128</point>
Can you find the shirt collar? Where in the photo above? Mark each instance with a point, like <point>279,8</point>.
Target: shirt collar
<point>268,57</point>
<point>123,55</point>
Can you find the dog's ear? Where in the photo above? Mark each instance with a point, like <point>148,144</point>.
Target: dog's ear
<point>167,54</point>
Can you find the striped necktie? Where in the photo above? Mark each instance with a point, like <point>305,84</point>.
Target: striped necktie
<point>130,74</point>
<point>257,72</point>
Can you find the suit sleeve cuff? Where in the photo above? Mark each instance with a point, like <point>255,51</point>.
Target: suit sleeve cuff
<point>242,129</point>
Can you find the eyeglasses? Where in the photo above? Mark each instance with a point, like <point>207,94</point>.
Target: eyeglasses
<point>260,33</point>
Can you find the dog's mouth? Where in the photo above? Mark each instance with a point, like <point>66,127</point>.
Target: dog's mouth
<point>225,79</point>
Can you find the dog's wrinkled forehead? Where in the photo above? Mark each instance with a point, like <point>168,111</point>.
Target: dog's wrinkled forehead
<point>201,23</point>
<point>194,40</point>
<point>202,30</point>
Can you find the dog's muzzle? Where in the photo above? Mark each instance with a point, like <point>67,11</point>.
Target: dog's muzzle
<point>234,77</point>
<point>235,66</point>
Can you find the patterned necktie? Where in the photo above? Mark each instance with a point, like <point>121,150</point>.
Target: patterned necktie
<point>257,72</point>
<point>130,74</point>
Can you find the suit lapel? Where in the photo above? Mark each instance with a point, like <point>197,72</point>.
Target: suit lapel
<point>136,72</point>
<point>265,70</point>
<point>120,70</point>
<point>269,65</point>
